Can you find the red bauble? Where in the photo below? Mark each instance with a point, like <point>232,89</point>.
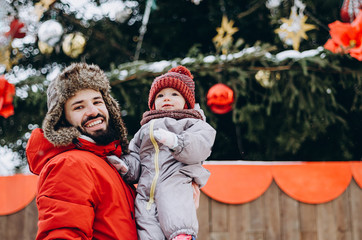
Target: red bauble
<point>7,91</point>
<point>350,9</point>
<point>220,98</point>
<point>16,29</point>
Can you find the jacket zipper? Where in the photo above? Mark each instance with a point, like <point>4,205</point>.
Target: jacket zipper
<point>157,170</point>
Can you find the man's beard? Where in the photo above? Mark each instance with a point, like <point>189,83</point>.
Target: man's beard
<point>102,137</point>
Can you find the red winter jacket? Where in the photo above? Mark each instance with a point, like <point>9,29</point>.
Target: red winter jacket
<point>80,196</point>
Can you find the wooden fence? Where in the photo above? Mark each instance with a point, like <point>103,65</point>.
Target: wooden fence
<point>272,216</point>
<point>21,225</point>
<point>276,216</point>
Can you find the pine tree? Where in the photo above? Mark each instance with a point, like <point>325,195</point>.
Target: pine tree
<point>310,111</point>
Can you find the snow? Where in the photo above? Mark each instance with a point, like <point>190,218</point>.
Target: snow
<point>8,161</point>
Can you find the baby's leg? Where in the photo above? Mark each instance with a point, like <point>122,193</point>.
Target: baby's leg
<point>148,227</point>
<point>175,206</point>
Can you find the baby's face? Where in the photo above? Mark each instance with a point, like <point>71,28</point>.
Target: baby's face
<point>169,99</point>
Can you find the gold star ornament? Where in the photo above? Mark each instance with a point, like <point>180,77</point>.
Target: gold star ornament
<point>294,29</point>
<point>42,6</point>
<point>224,34</point>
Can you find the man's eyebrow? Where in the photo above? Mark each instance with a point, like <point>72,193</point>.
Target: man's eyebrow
<point>80,101</point>
<point>77,102</point>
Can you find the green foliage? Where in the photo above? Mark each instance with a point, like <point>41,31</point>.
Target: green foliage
<point>303,105</point>
<point>311,109</point>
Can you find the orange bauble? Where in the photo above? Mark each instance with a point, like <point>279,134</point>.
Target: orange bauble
<point>220,98</point>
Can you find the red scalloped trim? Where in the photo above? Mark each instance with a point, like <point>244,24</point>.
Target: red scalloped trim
<point>17,192</point>
<point>313,182</point>
<point>236,184</point>
<point>231,183</point>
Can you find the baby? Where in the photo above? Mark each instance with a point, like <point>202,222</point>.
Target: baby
<point>166,157</point>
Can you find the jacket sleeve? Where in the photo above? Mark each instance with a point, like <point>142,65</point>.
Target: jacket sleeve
<point>66,197</point>
<point>133,160</point>
<point>195,143</point>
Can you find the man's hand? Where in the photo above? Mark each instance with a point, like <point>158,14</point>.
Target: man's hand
<point>196,194</point>
<point>118,164</point>
<point>166,137</point>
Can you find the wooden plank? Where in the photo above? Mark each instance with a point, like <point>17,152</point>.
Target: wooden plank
<point>203,215</point>
<point>239,221</point>
<point>219,236</point>
<point>290,224</point>
<point>356,210</point>
<point>327,227</point>
<point>30,221</point>
<point>255,235</point>
<point>257,222</point>
<point>342,216</point>
<point>15,225</point>
<point>3,229</point>
<point>308,221</point>
<point>219,217</point>
<point>272,212</point>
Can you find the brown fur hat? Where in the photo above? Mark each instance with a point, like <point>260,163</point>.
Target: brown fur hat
<point>78,76</point>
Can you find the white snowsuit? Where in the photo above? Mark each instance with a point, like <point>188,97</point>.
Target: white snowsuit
<point>164,201</point>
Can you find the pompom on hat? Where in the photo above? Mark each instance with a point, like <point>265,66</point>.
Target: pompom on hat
<point>76,77</point>
<point>179,78</point>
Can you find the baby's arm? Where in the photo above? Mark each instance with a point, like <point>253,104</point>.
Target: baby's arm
<point>133,162</point>
<point>193,145</point>
<point>129,165</point>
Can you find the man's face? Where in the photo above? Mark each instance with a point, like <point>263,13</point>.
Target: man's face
<point>87,111</point>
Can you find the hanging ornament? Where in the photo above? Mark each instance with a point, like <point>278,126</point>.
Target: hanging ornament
<point>7,92</point>
<point>16,29</point>
<point>294,29</point>
<point>42,6</point>
<point>273,4</point>
<point>45,48</point>
<point>5,12</point>
<point>73,44</point>
<point>263,78</point>
<point>224,38</point>
<point>220,98</point>
<point>196,2</point>
<point>350,9</point>
<point>50,32</point>
<point>7,59</point>
<point>123,15</point>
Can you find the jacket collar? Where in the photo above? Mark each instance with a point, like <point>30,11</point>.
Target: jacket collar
<point>39,150</point>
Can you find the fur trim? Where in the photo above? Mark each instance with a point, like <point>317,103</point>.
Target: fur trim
<point>76,77</point>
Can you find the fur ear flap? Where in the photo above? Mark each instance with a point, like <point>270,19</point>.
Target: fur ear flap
<point>76,77</point>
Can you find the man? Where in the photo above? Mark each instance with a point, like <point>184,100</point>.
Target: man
<point>80,195</point>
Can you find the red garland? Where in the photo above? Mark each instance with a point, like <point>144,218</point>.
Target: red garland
<point>16,29</point>
<point>7,92</point>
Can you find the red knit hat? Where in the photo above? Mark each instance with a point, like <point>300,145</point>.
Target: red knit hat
<point>179,78</point>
